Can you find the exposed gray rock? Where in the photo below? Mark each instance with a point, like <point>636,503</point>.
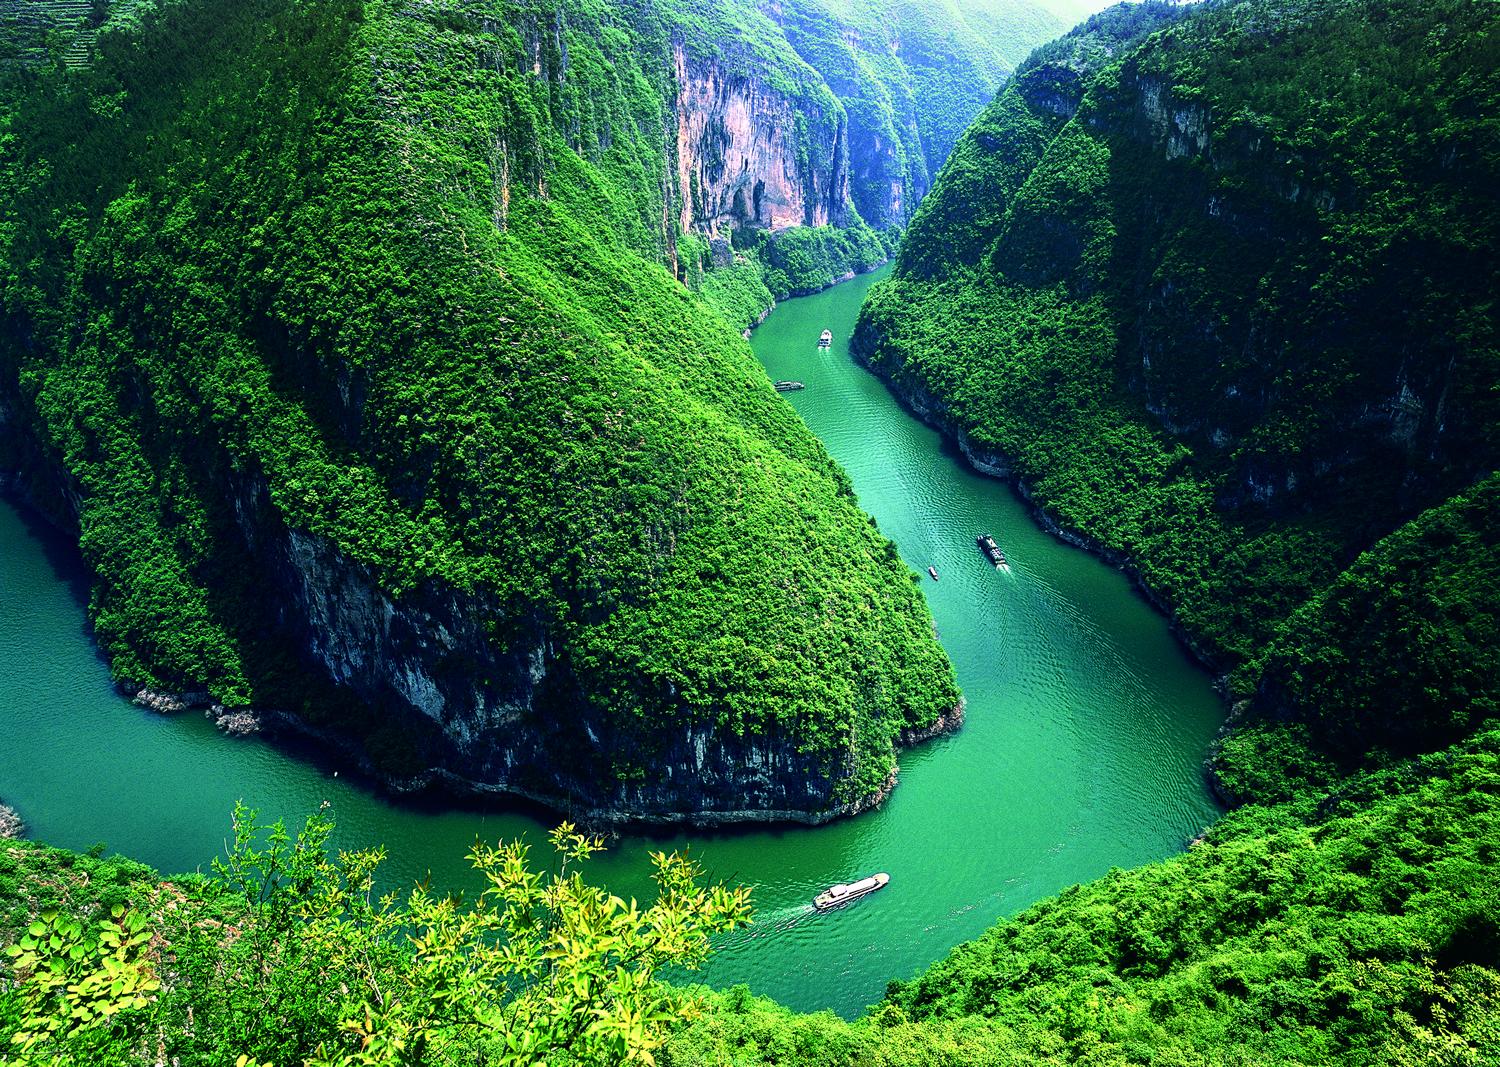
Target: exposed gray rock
<point>739,158</point>
<point>236,722</point>
<point>166,703</point>
<point>11,825</point>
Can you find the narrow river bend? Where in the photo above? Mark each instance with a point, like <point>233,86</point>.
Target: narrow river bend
<point>1087,725</point>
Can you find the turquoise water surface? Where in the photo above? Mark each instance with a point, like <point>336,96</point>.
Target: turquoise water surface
<point>1087,725</point>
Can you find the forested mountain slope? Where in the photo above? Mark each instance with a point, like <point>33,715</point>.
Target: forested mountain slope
<point>1222,298</point>
<point>1216,286</point>
<point>343,333</point>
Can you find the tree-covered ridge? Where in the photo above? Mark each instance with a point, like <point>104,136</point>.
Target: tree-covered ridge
<point>1218,285</point>
<point>377,291</point>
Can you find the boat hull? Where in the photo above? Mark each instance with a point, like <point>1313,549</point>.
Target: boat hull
<point>839,895</point>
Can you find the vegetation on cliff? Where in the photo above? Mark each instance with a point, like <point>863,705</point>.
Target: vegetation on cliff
<point>911,75</point>
<point>389,278</point>
<point>883,89</point>
<point>1217,283</point>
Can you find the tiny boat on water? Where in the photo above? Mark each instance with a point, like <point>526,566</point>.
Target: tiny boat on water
<point>933,571</point>
<point>990,549</point>
<point>843,894</point>
<point>826,339</point>
<point>789,387</point>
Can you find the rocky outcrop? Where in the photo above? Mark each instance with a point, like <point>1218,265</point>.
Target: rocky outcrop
<point>749,155</point>
<point>497,715</point>
<point>11,825</point>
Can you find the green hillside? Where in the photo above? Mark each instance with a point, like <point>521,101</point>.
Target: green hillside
<point>1222,299</point>
<point>369,306</point>
<point>1353,928</point>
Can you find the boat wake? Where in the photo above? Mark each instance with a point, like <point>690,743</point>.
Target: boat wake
<point>778,921</point>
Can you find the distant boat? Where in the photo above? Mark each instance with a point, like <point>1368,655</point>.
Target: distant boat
<point>789,387</point>
<point>990,549</point>
<point>933,571</point>
<point>825,340</point>
<point>843,894</point>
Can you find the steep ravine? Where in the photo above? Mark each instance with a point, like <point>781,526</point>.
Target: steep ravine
<point>1178,298</point>
<point>418,449</point>
<point>1085,727</point>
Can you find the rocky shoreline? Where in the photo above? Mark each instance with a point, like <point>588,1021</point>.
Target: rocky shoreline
<point>245,722</point>
<point>11,825</point>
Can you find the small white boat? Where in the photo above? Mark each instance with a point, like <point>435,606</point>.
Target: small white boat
<point>838,895</point>
<point>826,340</point>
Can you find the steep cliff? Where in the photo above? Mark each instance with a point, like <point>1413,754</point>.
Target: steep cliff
<point>1217,284</point>
<point>911,74</point>
<point>752,156</point>
<point>804,113</point>
<point>341,334</point>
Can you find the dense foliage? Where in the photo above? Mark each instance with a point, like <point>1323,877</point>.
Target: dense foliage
<point>390,278</point>
<point>1217,283</point>
<point>286,957</point>
<point>1354,928</point>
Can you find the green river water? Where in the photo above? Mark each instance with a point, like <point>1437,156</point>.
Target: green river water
<point>1087,725</point>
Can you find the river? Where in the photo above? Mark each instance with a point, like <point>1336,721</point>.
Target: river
<point>1087,725</point>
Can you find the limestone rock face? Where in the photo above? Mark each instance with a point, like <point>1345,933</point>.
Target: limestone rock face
<point>499,713</point>
<point>750,156</point>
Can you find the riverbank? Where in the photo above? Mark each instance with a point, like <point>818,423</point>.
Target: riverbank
<point>933,412</point>
<point>244,722</point>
